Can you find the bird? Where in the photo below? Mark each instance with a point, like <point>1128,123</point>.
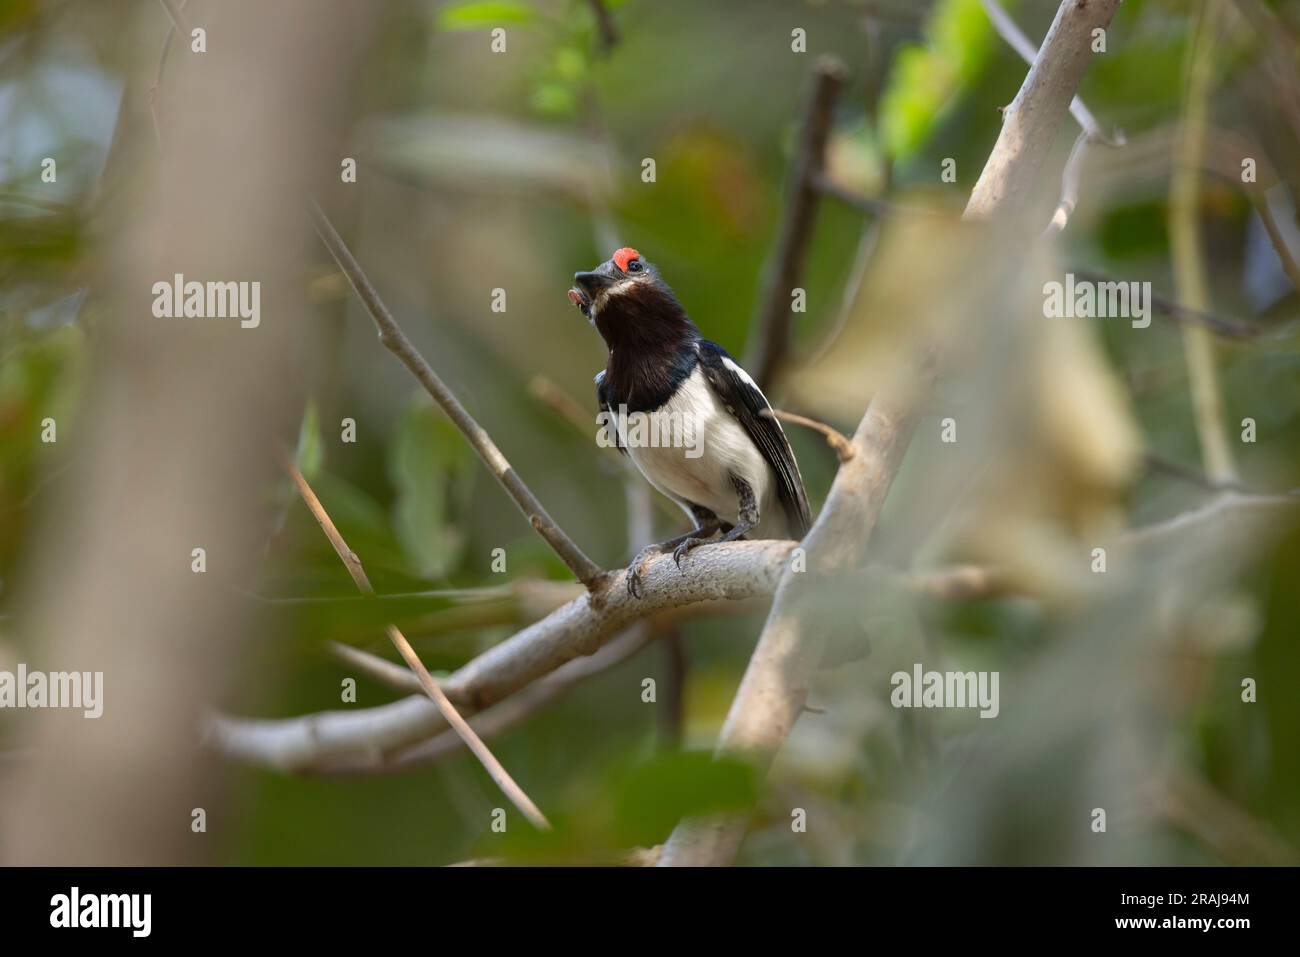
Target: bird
<point>719,452</point>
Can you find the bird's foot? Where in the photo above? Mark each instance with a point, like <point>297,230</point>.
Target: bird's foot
<point>682,550</point>
<point>634,570</point>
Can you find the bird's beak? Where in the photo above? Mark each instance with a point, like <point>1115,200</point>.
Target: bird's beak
<point>592,283</point>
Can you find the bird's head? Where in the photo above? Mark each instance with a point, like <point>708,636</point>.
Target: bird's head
<point>625,298</point>
<point>626,273</point>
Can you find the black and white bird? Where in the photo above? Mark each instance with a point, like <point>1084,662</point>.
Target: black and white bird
<point>737,476</point>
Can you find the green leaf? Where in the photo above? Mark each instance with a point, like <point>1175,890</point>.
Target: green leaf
<point>432,469</point>
<point>480,15</point>
<point>651,798</point>
<point>926,79</point>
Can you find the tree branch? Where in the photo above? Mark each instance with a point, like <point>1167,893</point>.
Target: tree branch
<point>733,571</point>
<point>391,335</point>
<point>352,563</point>
<point>1010,31</point>
<point>1030,123</point>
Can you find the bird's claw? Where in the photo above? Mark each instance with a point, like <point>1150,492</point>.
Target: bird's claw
<point>634,583</point>
<point>683,549</point>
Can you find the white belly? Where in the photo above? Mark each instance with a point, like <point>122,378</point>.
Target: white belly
<point>689,448</point>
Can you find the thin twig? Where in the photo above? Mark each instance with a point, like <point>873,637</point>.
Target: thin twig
<point>874,204</point>
<point>834,437</point>
<point>174,14</point>
<point>1156,463</point>
<point>393,339</point>
<point>771,327</point>
<point>1259,199</point>
<point>353,564</point>
<point>1070,177</point>
<point>1188,255</point>
<point>155,91</point>
<point>1226,326</point>
<point>381,669</point>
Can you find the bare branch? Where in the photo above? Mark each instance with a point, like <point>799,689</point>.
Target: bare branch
<point>1015,37</point>
<point>834,437</point>
<point>771,337</point>
<point>495,769</point>
<point>391,335</point>
<point>516,709</point>
<point>734,571</point>
<point>1069,186</point>
<point>174,14</point>
<point>380,669</point>
<point>1030,123</point>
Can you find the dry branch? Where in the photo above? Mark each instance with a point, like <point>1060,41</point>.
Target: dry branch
<point>352,563</point>
<point>391,335</point>
<point>733,571</point>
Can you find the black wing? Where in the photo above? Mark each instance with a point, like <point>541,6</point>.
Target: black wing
<point>746,402</point>
<point>602,400</point>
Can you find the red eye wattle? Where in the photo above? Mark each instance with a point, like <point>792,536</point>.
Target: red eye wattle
<point>624,256</point>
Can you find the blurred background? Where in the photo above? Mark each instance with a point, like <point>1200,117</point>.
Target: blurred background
<point>479,170</point>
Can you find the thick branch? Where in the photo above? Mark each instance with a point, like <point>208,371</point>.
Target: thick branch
<point>391,335</point>
<point>734,571</point>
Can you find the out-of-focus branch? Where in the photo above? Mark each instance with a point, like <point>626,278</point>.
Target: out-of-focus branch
<point>771,335</point>
<point>774,690</point>
<point>1227,326</point>
<point>391,335</point>
<point>604,24</point>
<point>1188,259</point>
<point>1070,177</point>
<point>352,563</point>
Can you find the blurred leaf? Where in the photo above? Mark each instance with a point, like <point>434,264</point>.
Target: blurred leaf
<point>431,468</point>
<point>652,797</point>
<point>488,153</point>
<point>479,15</point>
<point>924,79</point>
<point>310,454</point>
